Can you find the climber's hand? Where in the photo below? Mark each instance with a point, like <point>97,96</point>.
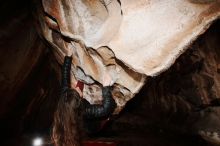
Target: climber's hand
<point>69,52</point>
<point>107,80</point>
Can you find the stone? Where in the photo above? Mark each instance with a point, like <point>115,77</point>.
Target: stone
<point>129,40</point>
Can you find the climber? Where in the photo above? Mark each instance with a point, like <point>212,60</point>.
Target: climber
<point>75,114</point>
<point>94,111</point>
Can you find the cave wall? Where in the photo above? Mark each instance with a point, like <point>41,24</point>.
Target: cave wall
<point>29,80</point>
<point>22,55</point>
<point>185,98</point>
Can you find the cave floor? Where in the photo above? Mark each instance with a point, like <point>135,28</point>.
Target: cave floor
<point>127,139</point>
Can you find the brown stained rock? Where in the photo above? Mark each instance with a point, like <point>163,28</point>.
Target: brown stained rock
<point>20,50</point>
<point>185,96</point>
<point>127,39</point>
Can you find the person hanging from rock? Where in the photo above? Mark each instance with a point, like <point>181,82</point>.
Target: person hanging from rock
<point>75,114</point>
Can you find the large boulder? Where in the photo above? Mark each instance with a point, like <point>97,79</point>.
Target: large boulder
<point>128,39</point>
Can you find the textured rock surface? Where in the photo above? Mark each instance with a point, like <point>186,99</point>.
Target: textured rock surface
<point>20,50</point>
<point>172,100</point>
<point>127,39</point>
<point>22,59</point>
<point>184,99</point>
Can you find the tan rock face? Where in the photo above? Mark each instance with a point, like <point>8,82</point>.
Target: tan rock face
<point>127,39</point>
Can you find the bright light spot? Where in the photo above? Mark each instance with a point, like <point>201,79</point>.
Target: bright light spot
<point>37,142</point>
